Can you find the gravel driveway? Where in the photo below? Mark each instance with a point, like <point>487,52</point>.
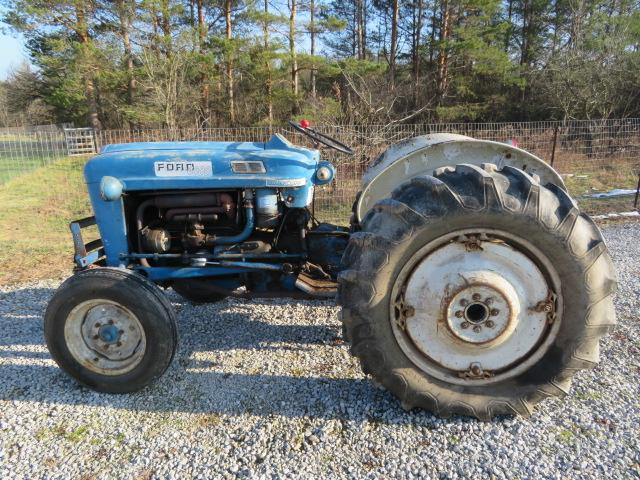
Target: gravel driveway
<point>268,389</point>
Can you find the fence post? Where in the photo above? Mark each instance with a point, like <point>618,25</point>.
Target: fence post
<point>635,201</point>
<point>553,148</point>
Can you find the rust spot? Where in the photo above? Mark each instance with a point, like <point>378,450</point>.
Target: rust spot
<point>472,244</point>
<point>548,306</point>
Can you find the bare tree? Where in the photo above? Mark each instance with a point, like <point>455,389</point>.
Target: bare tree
<point>204,78</point>
<point>82,30</point>
<point>229,73</point>
<point>394,44</point>
<point>164,80</point>
<point>312,34</point>
<point>417,10</point>
<point>125,10</point>
<point>293,56</point>
<point>443,51</point>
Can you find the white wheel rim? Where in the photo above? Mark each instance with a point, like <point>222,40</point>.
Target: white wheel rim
<point>104,337</point>
<point>474,307</point>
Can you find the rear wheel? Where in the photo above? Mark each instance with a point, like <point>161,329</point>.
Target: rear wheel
<point>111,330</point>
<point>476,291</point>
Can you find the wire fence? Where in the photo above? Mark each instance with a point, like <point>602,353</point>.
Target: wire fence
<point>594,156</point>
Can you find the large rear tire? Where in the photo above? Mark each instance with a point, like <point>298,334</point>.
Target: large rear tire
<point>111,329</point>
<point>476,291</point>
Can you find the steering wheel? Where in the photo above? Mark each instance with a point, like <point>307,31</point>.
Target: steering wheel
<point>317,137</point>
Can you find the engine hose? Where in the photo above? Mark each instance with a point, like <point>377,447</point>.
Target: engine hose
<point>246,231</point>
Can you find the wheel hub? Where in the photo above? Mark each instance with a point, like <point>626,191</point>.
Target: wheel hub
<point>109,334</point>
<point>472,308</point>
<point>105,337</point>
<point>482,311</point>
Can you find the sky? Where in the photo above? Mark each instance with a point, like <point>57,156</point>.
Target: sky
<point>12,52</point>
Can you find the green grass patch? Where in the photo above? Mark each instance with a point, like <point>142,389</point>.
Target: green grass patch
<point>566,436</point>
<point>37,207</point>
<point>582,185</point>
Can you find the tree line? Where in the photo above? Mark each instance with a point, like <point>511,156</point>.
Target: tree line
<point>211,63</point>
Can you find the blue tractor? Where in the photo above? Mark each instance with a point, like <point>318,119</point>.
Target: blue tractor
<point>470,282</point>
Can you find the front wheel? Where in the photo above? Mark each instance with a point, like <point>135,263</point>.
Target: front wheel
<point>476,291</point>
<point>111,330</point>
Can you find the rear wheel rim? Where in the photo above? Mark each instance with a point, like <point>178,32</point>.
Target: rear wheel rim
<point>476,306</point>
<point>105,337</point>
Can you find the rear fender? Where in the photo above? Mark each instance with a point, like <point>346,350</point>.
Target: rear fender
<point>422,155</point>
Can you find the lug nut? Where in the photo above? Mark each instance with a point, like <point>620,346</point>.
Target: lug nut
<point>488,300</point>
<point>476,296</point>
<point>464,302</point>
<point>464,325</point>
<point>98,325</point>
<point>477,328</point>
<point>119,344</point>
<point>110,322</point>
<point>495,312</point>
<point>489,323</point>
<point>120,332</point>
<point>106,346</point>
<point>459,313</point>
<point>476,370</point>
<point>95,337</point>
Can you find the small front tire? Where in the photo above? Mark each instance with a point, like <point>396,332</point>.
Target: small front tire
<point>111,329</point>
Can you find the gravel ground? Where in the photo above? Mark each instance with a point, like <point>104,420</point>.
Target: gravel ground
<point>268,389</point>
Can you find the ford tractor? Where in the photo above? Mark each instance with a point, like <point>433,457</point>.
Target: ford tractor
<point>470,282</point>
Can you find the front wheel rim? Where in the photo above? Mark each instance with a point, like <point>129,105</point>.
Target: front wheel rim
<point>105,337</point>
<point>476,306</point>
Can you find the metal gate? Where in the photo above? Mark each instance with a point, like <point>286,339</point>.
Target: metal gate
<point>80,141</point>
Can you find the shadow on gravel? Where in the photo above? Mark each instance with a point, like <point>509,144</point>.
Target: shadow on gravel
<point>197,386</point>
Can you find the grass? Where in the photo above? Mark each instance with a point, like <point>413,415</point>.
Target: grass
<point>36,208</point>
<point>565,436</point>
<point>60,431</point>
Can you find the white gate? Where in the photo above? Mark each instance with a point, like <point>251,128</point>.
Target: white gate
<point>80,141</point>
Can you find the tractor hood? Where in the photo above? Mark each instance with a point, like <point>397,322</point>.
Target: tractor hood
<point>168,165</point>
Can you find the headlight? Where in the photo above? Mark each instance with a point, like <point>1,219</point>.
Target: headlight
<point>324,173</point>
<point>110,188</point>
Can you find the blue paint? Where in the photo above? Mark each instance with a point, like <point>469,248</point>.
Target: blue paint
<point>120,170</point>
<point>221,257</point>
<point>290,168</point>
<point>83,256</point>
<point>109,333</point>
<point>89,259</point>
<point>158,274</point>
<point>110,188</point>
<point>111,223</point>
<point>332,173</point>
